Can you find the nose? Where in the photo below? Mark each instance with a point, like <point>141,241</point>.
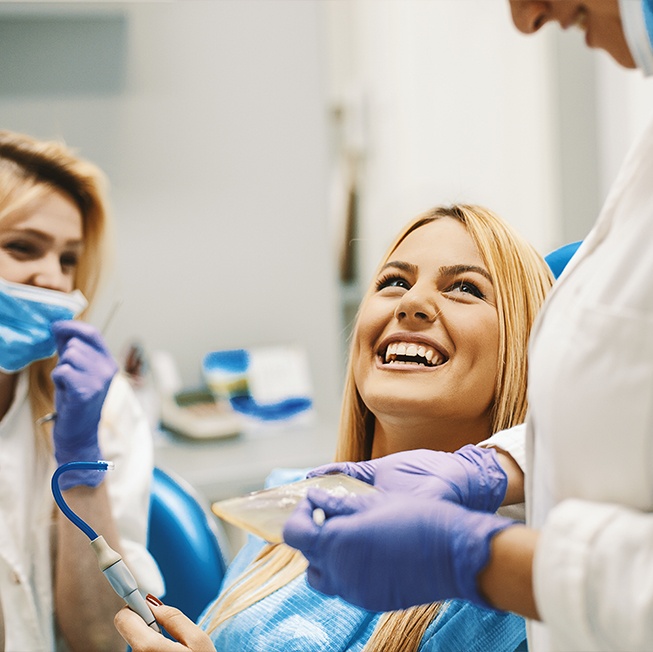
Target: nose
<point>529,15</point>
<point>416,305</point>
<point>50,275</point>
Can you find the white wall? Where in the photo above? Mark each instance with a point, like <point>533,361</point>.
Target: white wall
<point>209,119</point>
<point>457,107</point>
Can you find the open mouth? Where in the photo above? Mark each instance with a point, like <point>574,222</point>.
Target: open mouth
<point>408,353</point>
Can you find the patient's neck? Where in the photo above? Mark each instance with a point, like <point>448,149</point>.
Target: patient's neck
<point>394,436</point>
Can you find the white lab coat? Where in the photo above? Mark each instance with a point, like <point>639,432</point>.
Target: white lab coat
<point>589,432</point>
<point>27,509</point>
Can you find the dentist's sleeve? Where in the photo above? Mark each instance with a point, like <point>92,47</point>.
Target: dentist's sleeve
<point>512,441</point>
<point>126,439</point>
<point>593,577</point>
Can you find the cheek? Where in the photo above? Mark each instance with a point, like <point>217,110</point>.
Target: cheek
<point>71,280</point>
<point>372,320</point>
<point>483,364</point>
<point>486,345</point>
<point>491,363</point>
<point>10,269</point>
<point>359,345</point>
<point>356,366</point>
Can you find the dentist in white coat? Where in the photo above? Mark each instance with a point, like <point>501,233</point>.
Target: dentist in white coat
<point>582,568</point>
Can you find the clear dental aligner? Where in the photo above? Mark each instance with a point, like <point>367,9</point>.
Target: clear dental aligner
<point>265,512</point>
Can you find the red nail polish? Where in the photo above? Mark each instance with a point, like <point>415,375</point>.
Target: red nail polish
<point>152,599</point>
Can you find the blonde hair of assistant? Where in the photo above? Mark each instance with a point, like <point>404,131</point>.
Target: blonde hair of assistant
<point>521,280</point>
<point>30,169</point>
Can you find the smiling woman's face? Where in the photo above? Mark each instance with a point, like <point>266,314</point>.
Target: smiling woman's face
<point>41,244</point>
<point>427,339</point>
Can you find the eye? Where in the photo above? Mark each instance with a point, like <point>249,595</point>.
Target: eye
<point>69,261</point>
<point>392,281</point>
<point>21,249</point>
<point>465,287</point>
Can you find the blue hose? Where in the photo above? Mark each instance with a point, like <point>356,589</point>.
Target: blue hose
<point>100,465</point>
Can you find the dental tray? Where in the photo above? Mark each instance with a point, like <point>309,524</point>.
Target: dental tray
<point>195,413</point>
<point>265,512</point>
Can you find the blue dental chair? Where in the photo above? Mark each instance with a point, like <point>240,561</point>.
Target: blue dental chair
<point>187,544</point>
<point>558,258</point>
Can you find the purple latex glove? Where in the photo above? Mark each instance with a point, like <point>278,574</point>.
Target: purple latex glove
<point>81,379</point>
<point>386,551</point>
<point>471,476</point>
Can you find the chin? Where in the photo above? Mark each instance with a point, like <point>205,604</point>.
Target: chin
<point>619,51</point>
<point>402,405</point>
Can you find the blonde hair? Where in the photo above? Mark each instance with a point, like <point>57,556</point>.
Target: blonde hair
<point>521,280</point>
<point>30,169</point>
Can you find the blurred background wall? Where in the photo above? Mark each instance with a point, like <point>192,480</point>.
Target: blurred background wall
<point>209,120</point>
<point>262,153</point>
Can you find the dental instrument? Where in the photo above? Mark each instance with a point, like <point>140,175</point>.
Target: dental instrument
<point>110,561</point>
<point>51,416</point>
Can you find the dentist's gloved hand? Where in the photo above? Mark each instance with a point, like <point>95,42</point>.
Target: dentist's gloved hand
<point>81,378</point>
<point>471,476</point>
<point>385,551</point>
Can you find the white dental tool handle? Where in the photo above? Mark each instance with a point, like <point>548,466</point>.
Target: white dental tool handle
<point>122,580</point>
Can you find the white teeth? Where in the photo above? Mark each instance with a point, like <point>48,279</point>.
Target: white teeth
<point>424,355</point>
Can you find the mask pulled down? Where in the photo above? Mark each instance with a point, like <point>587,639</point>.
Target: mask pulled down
<point>26,314</point>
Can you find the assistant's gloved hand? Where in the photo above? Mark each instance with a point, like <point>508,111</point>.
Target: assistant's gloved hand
<point>471,476</point>
<point>386,551</point>
<point>81,378</point>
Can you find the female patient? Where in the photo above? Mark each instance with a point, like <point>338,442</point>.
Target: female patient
<point>438,361</point>
<point>53,224</point>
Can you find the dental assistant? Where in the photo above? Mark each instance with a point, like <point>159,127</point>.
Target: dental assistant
<point>53,234</point>
<point>582,569</point>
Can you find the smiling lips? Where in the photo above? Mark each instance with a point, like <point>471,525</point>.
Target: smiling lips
<point>408,353</point>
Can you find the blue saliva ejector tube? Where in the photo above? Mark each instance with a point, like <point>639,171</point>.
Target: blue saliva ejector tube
<point>110,561</point>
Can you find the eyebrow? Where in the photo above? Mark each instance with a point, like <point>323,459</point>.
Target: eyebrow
<point>445,270</point>
<point>454,270</point>
<point>400,264</point>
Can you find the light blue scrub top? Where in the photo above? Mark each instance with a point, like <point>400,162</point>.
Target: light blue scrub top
<point>296,618</point>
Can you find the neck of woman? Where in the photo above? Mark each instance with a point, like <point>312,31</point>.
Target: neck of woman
<point>393,436</point>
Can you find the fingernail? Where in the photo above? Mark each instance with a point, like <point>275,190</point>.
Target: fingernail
<point>152,599</point>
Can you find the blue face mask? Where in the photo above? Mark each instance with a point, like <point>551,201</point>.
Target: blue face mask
<point>637,22</point>
<point>26,313</point>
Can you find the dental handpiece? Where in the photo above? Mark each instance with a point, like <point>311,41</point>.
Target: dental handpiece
<point>110,561</point>
<point>122,581</point>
